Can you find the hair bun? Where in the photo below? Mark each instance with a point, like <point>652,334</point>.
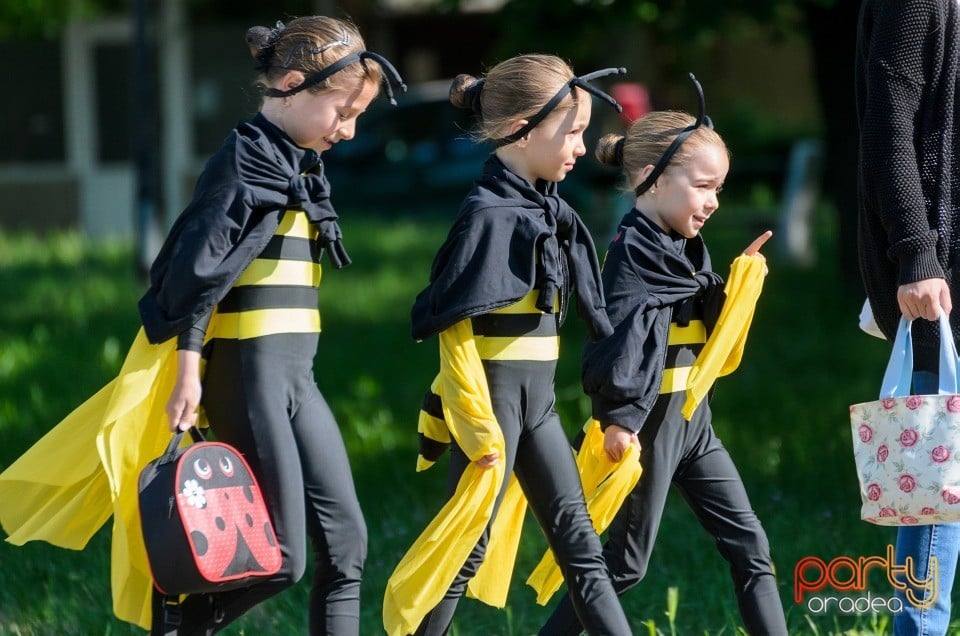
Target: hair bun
<point>258,39</point>
<point>610,150</point>
<point>465,92</point>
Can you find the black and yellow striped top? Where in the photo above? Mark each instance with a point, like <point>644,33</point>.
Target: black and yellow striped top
<point>277,292</point>
<point>683,346</point>
<point>519,331</point>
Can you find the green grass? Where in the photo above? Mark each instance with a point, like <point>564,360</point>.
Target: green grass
<point>69,313</point>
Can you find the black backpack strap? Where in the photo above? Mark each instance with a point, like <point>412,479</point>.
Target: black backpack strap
<point>167,615</point>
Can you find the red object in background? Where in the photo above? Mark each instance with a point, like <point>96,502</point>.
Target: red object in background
<point>635,99</point>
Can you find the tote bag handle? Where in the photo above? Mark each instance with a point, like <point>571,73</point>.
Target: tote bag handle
<point>899,374</point>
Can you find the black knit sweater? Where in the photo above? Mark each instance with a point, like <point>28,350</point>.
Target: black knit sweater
<point>907,74</point>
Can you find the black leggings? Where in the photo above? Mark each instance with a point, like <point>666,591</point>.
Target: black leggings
<point>538,453</point>
<point>690,456</point>
<point>260,396</point>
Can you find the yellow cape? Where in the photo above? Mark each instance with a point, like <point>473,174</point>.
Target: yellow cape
<point>429,567</point>
<point>98,451</point>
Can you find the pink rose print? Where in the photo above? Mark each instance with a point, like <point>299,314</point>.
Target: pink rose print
<point>873,492</point>
<point>909,437</point>
<point>865,433</point>
<point>908,521</point>
<point>940,454</point>
<point>953,404</point>
<point>882,453</point>
<point>889,403</point>
<point>913,402</point>
<point>887,511</point>
<point>927,511</point>
<point>907,483</point>
<point>950,495</point>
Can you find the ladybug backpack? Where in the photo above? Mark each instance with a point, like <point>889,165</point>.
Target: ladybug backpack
<point>204,522</point>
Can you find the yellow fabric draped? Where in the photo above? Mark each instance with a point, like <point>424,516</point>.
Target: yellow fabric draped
<point>491,583</point>
<point>429,567</point>
<point>723,351</point>
<point>605,485</point>
<point>65,487</point>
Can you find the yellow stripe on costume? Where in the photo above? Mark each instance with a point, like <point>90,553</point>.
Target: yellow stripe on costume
<point>694,333</point>
<point>432,428</point>
<point>605,487</point>
<point>265,271</point>
<point>521,348</point>
<point>295,223</point>
<point>264,322</point>
<point>526,305</point>
<point>674,380</point>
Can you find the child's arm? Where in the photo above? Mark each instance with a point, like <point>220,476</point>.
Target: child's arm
<point>185,398</point>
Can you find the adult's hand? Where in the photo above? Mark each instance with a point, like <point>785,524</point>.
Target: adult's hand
<point>924,299</point>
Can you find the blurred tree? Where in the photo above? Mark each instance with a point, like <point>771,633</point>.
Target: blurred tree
<point>593,32</point>
<point>25,19</point>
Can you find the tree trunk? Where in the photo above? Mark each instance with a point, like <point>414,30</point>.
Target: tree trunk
<point>833,41</point>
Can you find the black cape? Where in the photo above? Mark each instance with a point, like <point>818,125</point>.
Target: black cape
<point>509,238</point>
<point>245,187</point>
<point>647,275</point>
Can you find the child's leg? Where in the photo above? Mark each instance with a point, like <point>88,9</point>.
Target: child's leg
<point>334,521</point>
<point>438,620</point>
<point>547,472</point>
<point>710,483</point>
<point>632,533</point>
<point>248,388</point>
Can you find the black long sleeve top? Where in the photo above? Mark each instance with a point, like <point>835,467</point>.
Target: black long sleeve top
<point>907,74</point>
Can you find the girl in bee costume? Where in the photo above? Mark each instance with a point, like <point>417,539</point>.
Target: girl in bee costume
<point>498,291</point>
<point>237,280</point>
<point>647,381</point>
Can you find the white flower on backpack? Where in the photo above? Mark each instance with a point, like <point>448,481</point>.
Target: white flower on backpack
<point>193,491</point>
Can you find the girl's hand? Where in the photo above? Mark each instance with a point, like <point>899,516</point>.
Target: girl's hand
<point>754,248</point>
<point>616,439</point>
<point>488,461</point>
<point>182,406</point>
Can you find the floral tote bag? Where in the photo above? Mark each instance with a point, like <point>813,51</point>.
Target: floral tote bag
<point>907,447</point>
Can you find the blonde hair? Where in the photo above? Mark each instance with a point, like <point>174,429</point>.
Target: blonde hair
<point>308,44</point>
<point>513,89</point>
<point>647,140</point>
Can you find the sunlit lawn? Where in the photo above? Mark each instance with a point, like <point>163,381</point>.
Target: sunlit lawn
<point>69,313</point>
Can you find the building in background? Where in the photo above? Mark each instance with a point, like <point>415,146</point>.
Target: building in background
<point>68,157</point>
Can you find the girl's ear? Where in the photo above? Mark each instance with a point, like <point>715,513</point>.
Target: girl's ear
<point>647,169</point>
<point>291,79</point>
<point>515,126</point>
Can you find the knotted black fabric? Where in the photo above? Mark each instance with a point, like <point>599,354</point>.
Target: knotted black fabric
<point>245,187</point>
<point>511,237</point>
<point>647,276</point>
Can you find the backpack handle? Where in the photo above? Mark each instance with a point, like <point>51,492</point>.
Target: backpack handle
<point>169,455</point>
